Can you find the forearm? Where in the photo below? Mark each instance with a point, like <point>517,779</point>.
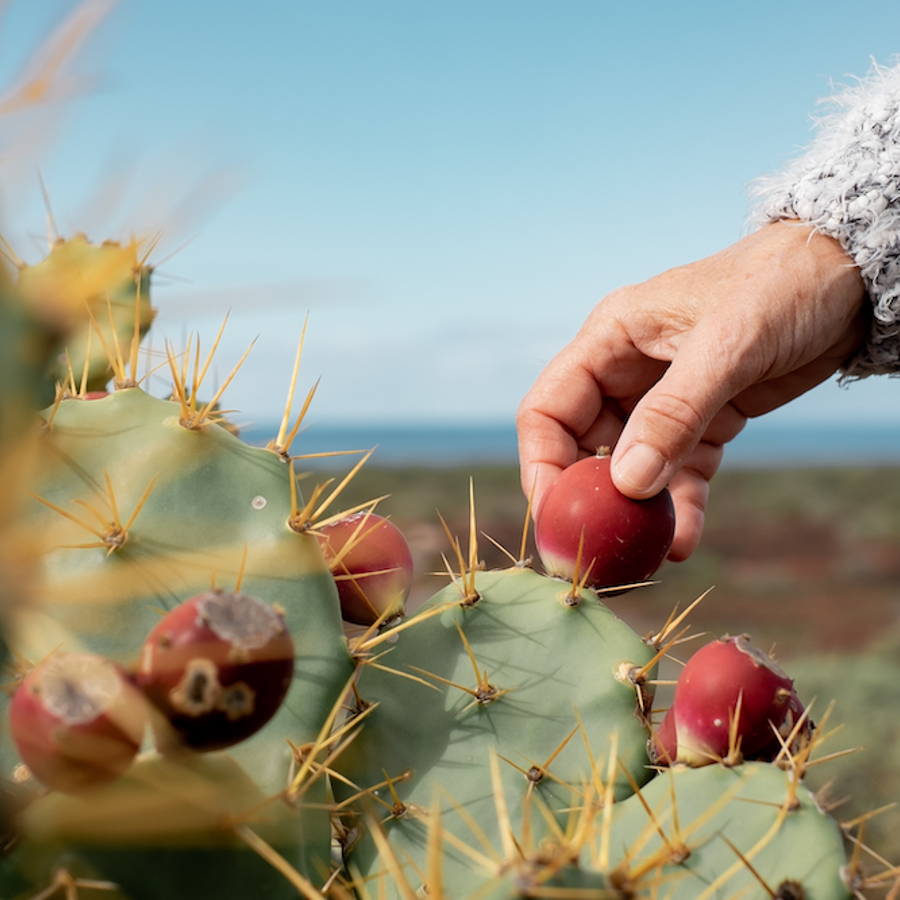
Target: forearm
<point>847,185</point>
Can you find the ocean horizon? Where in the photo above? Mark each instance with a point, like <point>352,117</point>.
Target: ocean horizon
<point>760,445</point>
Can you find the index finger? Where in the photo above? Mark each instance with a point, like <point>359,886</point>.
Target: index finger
<point>562,404</point>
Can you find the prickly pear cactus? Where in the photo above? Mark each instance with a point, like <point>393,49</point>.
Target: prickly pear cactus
<point>158,832</point>
<point>723,831</point>
<point>138,512</point>
<point>503,753</point>
<point>95,298</point>
<point>133,504</point>
<point>507,693</point>
<point>499,743</point>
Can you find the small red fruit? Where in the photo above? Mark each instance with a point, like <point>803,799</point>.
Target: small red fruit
<point>217,667</point>
<point>663,746</point>
<point>77,722</point>
<point>717,679</point>
<point>371,563</point>
<point>796,713</point>
<point>625,540</point>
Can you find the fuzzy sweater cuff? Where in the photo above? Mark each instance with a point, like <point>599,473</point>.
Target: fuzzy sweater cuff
<point>847,185</point>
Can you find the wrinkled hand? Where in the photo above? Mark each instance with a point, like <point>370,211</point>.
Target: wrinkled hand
<point>670,370</point>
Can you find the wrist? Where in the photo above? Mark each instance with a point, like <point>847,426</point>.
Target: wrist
<point>847,187</point>
<point>836,276</point>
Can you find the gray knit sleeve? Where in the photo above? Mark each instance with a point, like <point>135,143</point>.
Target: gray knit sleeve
<point>847,185</point>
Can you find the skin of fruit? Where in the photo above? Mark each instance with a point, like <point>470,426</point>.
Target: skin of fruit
<point>375,575</point>
<point>625,540</point>
<point>795,716</point>
<point>77,721</point>
<point>662,746</point>
<point>714,680</point>
<point>217,667</point>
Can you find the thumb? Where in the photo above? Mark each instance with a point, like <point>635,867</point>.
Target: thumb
<point>671,419</point>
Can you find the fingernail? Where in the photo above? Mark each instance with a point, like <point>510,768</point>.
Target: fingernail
<point>639,467</point>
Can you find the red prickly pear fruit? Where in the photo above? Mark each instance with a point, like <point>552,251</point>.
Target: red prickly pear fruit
<point>795,713</point>
<point>719,677</point>
<point>663,745</point>
<point>372,566</point>
<point>77,721</point>
<point>625,540</point>
<point>217,666</point>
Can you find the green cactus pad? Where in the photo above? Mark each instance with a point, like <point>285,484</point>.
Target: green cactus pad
<point>24,345</point>
<point>23,348</point>
<point>211,511</point>
<point>95,296</point>
<point>752,810</point>
<point>170,828</point>
<point>551,665</point>
<point>217,510</point>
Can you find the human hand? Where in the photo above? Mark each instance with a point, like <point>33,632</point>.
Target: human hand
<point>668,371</point>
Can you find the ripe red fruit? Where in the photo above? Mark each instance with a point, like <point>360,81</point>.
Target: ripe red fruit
<point>77,722</point>
<point>625,540</point>
<point>795,712</point>
<point>718,677</point>
<point>217,667</point>
<point>662,746</point>
<point>371,563</point>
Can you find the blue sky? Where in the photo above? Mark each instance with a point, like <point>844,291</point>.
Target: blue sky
<point>446,188</point>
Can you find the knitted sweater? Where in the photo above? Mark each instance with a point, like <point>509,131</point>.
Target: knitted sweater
<point>847,185</point>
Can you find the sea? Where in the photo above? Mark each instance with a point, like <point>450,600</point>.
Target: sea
<point>760,445</point>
